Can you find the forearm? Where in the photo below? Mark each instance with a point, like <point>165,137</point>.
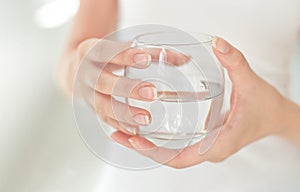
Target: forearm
<point>94,19</point>
<point>291,122</point>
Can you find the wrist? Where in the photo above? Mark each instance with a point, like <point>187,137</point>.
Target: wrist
<point>272,112</point>
<point>290,122</point>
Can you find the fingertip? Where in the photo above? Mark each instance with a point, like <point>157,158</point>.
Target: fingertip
<point>138,58</point>
<point>141,60</point>
<point>221,45</point>
<point>132,57</point>
<point>114,136</point>
<point>148,92</point>
<point>138,142</point>
<point>118,135</point>
<point>133,143</point>
<point>142,118</point>
<point>121,138</point>
<point>228,55</point>
<point>233,60</point>
<point>129,129</point>
<point>217,50</point>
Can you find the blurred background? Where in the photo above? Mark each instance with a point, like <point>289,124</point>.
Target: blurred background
<point>40,149</point>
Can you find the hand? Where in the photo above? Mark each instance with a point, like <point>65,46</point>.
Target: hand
<point>95,63</point>
<point>255,112</point>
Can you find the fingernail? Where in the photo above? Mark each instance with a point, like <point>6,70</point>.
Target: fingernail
<point>148,92</point>
<point>129,129</point>
<point>220,45</point>
<point>134,144</point>
<point>142,59</point>
<point>142,119</point>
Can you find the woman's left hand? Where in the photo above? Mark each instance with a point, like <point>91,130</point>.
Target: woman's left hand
<point>255,112</point>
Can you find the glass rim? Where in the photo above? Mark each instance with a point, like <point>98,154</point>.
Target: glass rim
<point>207,39</point>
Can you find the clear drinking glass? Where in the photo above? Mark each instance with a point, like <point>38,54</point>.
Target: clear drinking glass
<point>190,94</point>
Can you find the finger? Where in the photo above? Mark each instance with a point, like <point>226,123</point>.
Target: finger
<point>121,138</point>
<point>177,158</point>
<point>172,57</point>
<point>120,53</point>
<point>208,141</point>
<point>141,58</point>
<point>86,46</point>
<point>233,60</point>
<point>111,84</point>
<point>112,67</point>
<point>132,57</point>
<point>121,126</point>
<point>146,148</point>
<point>105,105</point>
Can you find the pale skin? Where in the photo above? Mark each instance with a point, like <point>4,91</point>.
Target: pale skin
<point>257,109</point>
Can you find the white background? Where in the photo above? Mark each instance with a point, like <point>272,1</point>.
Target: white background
<point>40,149</point>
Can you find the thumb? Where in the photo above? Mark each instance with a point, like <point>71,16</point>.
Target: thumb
<point>233,60</point>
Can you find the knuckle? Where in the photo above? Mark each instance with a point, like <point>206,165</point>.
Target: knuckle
<point>240,60</point>
<point>100,86</point>
<point>105,119</point>
<point>120,58</point>
<point>81,49</point>
<point>103,83</point>
<point>239,64</point>
<point>131,52</point>
<point>100,113</point>
<point>85,46</point>
<point>125,87</point>
<point>100,110</point>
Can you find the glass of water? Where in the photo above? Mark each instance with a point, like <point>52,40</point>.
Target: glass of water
<point>190,91</point>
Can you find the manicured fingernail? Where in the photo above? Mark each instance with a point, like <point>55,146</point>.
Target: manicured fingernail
<point>130,140</point>
<point>142,59</point>
<point>134,144</point>
<point>221,45</point>
<point>142,119</point>
<point>129,129</point>
<point>148,92</point>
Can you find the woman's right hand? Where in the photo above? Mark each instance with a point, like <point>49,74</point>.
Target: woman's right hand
<point>99,83</point>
